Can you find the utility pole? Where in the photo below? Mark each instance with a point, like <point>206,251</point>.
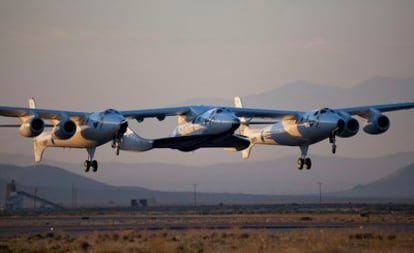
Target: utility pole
<point>320,193</point>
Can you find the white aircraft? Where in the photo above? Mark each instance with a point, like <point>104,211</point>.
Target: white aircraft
<point>302,129</point>
<point>72,129</point>
<point>199,127</point>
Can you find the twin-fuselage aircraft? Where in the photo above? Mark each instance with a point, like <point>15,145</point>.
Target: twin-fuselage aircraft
<point>198,127</point>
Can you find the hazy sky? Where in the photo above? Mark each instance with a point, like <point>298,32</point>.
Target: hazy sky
<point>91,55</point>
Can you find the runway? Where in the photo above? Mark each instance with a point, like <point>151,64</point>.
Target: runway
<point>75,224</point>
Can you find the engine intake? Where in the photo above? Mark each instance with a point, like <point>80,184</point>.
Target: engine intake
<point>347,127</point>
<point>32,127</point>
<point>64,130</point>
<point>377,124</point>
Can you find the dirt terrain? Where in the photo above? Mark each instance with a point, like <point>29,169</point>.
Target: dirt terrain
<point>328,230</point>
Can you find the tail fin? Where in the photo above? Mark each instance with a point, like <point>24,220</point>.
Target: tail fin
<point>244,127</point>
<point>32,103</point>
<point>38,147</point>
<point>239,104</point>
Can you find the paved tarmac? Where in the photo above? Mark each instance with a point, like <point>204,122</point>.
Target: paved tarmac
<point>19,225</point>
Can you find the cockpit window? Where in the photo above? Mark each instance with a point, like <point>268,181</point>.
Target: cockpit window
<point>109,111</point>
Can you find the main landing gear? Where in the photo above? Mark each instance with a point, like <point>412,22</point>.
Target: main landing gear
<point>332,140</point>
<point>304,161</point>
<point>90,163</point>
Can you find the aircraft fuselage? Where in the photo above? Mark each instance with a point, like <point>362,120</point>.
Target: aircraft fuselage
<point>98,128</point>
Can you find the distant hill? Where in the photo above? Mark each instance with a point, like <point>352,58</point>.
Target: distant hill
<point>55,184</point>
<point>397,185</point>
<point>272,177</point>
<point>303,95</point>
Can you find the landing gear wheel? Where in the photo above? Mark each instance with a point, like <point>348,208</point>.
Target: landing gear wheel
<point>308,163</point>
<point>300,163</point>
<point>333,149</point>
<point>87,165</point>
<point>94,165</point>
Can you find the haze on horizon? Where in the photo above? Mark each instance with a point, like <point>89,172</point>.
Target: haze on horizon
<point>91,55</point>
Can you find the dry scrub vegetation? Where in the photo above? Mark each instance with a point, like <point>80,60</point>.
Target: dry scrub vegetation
<point>227,240</point>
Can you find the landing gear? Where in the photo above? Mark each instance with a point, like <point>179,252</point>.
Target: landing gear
<point>332,140</point>
<point>90,163</point>
<point>116,145</point>
<point>304,161</point>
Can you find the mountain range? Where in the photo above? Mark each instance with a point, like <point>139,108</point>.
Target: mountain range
<point>276,177</point>
<point>384,181</point>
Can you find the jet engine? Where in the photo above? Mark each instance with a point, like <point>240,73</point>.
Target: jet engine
<point>347,127</point>
<point>32,127</point>
<point>64,130</point>
<point>377,124</point>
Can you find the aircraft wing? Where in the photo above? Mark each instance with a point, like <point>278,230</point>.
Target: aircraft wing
<point>264,113</point>
<point>42,113</point>
<point>192,142</point>
<point>363,111</point>
<point>159,113</point>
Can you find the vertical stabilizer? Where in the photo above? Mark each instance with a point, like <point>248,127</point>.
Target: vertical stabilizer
<point>244,127</point>
<point>238,102</point>
<point>32,103</point>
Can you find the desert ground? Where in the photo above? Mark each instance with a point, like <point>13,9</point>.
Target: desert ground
<point>368,229</point>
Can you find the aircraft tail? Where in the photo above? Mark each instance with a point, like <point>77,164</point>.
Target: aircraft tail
<point>38,146</point>
<point>244,128</point>
<point>239,104</point>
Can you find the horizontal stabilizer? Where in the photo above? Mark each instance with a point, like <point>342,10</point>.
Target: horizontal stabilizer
<point>38,149</point>
<point>246,152</point>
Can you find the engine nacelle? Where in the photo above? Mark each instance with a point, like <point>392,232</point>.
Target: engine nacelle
<point>377,124</point>
<point>64,130</point>
<point>32,127</point>
<point>347,127</point>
